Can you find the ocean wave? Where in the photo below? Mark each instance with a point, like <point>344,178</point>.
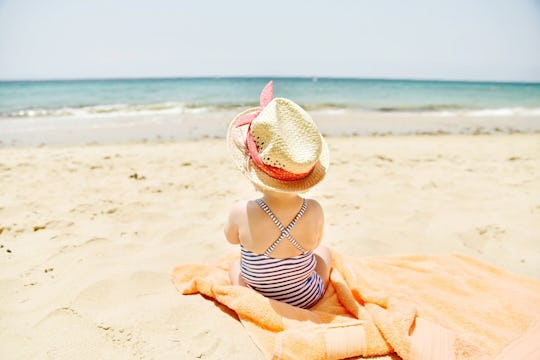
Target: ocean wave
<point>143,109</point>
<point>443,110</point>
<point>112,109</point>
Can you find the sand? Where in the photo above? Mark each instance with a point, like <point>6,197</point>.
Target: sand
<point>89,234</point>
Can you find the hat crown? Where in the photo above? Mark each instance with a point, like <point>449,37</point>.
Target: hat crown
<point>286,137</point>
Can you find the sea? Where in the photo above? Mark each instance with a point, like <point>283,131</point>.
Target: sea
<point>118,110</point>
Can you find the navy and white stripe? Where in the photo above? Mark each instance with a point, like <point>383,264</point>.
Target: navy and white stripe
<point>292,280</point>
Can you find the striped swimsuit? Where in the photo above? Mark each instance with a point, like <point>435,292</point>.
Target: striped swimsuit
<point>291,280</point>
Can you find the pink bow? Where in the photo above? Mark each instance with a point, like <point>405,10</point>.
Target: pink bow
<point>267,94</point>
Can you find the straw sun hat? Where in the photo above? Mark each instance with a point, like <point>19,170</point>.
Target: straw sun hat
<point>278,146</point>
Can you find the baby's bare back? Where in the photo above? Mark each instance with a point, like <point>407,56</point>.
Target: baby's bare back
<point>258,231</point>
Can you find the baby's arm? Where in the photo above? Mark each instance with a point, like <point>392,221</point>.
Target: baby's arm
<point>318,219</point>
<point>231,227</point>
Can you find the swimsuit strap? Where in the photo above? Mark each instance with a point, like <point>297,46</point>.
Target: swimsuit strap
<point>285,231</point>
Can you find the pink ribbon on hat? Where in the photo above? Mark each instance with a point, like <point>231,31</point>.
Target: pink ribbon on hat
<point>267,94</point>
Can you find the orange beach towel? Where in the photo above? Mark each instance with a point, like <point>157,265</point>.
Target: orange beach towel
<point>409,307</point>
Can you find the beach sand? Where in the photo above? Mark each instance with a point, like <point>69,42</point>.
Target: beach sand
<point>89,234</point>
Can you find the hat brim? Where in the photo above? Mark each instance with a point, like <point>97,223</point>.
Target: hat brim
<point>236,143</point>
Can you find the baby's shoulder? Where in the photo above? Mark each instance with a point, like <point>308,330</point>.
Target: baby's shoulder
<point>314,206</point>
<point>242,207</point>
<point>238,207</point>
<point>237,212</point>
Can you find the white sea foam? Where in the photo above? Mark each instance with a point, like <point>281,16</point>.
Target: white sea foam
<point>506,112</point>
<point>111,110</point>
<point>182,108</point>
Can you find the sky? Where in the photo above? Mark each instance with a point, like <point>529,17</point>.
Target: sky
<point>486,40</point>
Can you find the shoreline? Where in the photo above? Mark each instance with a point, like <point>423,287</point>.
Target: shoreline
<point>108,129</point>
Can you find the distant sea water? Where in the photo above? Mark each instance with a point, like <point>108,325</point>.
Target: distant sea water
<point>27,106</point>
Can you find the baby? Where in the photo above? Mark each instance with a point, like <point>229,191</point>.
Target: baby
<point>280,150</point>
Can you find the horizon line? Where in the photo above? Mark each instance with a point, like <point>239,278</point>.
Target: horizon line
<point>216,77</point>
